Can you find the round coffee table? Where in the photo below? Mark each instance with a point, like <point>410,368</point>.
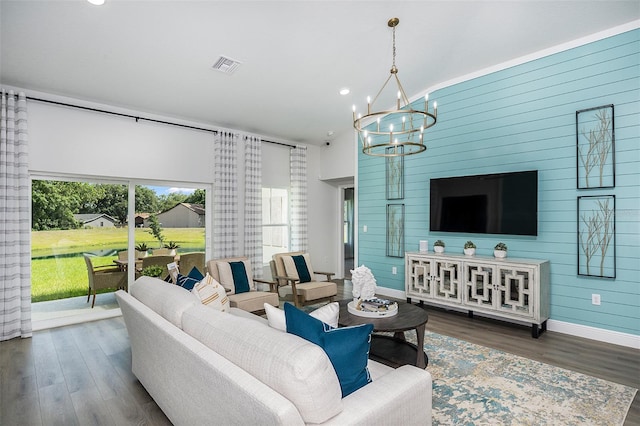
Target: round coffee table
<point>393,350</point>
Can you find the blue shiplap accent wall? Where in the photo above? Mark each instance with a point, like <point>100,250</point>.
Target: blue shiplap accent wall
<point>523,118</point>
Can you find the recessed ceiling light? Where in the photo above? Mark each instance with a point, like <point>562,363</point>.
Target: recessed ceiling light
<point>344,91</point>
<point>96,2</point>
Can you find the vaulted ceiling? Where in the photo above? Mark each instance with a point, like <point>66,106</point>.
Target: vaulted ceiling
<point>157,56</point>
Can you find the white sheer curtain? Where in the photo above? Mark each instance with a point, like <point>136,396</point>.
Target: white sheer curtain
<point>298,167</point>
<point>253,203</point>
<point>15,232</point>
<point>225,196</point>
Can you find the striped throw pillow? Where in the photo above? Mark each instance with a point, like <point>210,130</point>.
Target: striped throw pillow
<point>211,293</point>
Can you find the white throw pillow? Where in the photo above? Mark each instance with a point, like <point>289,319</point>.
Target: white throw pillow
<point>328,314</point>
<point>211,293</point>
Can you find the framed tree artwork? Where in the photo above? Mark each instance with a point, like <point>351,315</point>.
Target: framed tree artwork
<point>395,174</point>
<point>595,146</point>
<point>395,230</point>
<point>597,236</point>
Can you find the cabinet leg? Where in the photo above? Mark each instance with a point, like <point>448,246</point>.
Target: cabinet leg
<point>470,314</point>
<point>408,300</point>
<point>421,303</point>
<point>536,330</point>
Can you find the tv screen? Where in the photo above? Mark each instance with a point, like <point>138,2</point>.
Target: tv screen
<point>500,203</point>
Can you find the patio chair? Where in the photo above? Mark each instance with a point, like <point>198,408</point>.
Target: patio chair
<point>236,277</point>
<point>189,260</point>
<point>294,274</point>
<point>103,277</point>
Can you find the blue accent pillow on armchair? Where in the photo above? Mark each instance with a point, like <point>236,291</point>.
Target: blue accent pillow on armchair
<point>240,277</point>
<point>301,267</point>
<point>347,347</point>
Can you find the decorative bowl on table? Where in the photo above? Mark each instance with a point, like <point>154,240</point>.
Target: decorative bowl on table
<point>373,308</point>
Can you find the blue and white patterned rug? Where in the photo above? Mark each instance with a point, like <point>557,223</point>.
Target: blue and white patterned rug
<point>474,385</point>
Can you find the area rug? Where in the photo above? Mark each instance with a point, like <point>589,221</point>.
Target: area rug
<point>475,385</point>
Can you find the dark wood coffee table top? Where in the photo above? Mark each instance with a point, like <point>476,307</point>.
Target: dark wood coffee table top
<point>408,317</point>
<point>394,351</point>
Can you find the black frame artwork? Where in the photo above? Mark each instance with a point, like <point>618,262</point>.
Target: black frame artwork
<point>596,236</point>
<point>395,230</point>
<point>595,148</point>
<point>394,176</point>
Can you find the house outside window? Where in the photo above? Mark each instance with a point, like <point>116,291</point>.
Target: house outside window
<point>275,222</point>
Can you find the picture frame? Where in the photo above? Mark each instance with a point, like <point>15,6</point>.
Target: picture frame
<point>394,176</point>
<point>395,230</point>
<point>595,148</point>
<point>596,236</point>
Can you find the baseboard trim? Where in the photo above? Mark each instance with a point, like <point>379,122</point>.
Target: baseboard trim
<point>593,333</point>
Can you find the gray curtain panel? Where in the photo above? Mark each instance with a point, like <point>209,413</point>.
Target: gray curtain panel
<point>253,203</point>
<point>298,167</point>
<point>225,196</point>
<point>15,262</point>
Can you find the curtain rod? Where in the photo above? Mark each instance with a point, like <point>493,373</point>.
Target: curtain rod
<point>137,118</point>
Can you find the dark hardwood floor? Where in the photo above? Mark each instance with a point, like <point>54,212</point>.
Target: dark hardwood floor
<point>81,374</point>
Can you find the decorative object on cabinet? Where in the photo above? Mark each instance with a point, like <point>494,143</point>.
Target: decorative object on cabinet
<point>438,246</point>
<point>395,230</point>
<point>597,236</point>
<point>595,136</point>
<point>514,290</point>
<point>500,250</point>
<point>469,248</point>
<point>394,176</point>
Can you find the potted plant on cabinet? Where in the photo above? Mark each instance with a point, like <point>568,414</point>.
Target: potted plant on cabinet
<point>469,248</point>
<point>438,246</point>
<point>500,250</point>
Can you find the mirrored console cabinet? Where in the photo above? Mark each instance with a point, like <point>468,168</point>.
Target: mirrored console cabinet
<point>512,289</point>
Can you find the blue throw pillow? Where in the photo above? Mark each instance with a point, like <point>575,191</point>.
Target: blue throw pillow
<point>347,347</point>
<point>186,281</point>
<point>301,267</point>
<point>195,274</point>
<point>240,278</point>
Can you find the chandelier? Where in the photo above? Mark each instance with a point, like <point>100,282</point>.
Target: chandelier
<point>395,132</point>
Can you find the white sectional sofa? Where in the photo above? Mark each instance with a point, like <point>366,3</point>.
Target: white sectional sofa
<point>203,366</point>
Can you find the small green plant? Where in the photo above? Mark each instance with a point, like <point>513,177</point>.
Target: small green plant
<point>438,243</point>
<point>142,247</point>
<point>469,244</point>
<point>172,245</point>
<point>153,271</point>
<point>501,246</point>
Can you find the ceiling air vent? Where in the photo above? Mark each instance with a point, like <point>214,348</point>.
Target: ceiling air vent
<point>226,65</point>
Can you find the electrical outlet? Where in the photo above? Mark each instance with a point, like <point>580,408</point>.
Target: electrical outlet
<point>364,228</point>
<point>595,299</point>
<point>394,270</point>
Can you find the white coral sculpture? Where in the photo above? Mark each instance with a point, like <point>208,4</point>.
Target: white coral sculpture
<point>364,283</point>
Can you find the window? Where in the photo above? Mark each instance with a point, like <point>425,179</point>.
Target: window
<point>275,222</point>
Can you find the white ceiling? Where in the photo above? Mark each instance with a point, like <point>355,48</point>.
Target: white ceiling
<point>156,56</point>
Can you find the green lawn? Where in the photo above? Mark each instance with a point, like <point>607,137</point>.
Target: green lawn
<point>61,277</point>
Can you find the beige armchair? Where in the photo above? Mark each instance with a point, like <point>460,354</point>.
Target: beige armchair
<point>285,273</point>
<point>252,300</point>
<point>103,277</point>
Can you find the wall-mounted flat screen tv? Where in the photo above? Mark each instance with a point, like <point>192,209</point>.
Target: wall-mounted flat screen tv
<point>500,203</point>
